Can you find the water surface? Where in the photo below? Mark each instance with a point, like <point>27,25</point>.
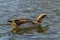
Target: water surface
<point>12,9</point>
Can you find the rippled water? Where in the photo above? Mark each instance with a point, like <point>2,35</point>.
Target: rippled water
<point>12,9</point>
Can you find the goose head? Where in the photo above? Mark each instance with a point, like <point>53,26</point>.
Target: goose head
<point>40,17</point>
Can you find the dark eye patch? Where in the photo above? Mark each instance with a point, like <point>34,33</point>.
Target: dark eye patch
<point>44,16</point>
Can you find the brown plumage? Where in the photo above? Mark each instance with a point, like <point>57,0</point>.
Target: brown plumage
<point>24,23</point>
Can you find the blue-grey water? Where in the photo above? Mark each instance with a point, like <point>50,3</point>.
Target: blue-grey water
<point>13,9</point>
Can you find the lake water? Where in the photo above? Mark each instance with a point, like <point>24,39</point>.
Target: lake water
<point>12,9</point>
